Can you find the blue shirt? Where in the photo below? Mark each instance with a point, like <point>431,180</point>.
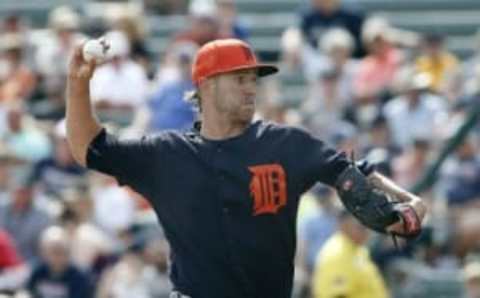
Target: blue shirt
<point>315,232</point>
<point>462,180</point>
<point>169,109</point>
<point>228,207</point>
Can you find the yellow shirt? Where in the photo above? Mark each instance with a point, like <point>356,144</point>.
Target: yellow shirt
<point>345,270</point>
<point>439,69</point>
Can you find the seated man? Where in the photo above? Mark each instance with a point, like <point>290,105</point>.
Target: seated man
<point>460,180</point>
<point>327,14</point>
<point>120,86</point>
<point>56,276</point>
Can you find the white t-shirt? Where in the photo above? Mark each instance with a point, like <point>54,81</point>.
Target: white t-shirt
<point>423,121</point>
<point>126,83</point>
<point>114,208</point>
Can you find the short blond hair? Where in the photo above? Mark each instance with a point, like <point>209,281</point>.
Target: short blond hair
<point>376,27</point>
<point>336,38</point>
<point>54,235</point>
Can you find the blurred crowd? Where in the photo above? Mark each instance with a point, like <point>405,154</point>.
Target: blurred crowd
<point>389,95</point>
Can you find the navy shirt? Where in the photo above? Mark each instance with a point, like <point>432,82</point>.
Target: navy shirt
<point>55,177</point>
<point>72,283</point>
<point>228,207</point>
<point>314,24</point>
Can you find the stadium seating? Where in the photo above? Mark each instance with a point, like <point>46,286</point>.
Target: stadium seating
<point>268,18</point>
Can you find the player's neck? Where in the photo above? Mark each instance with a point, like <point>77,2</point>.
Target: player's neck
<point>219,129</point>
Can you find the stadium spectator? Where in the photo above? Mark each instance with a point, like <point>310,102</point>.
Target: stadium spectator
<point>409,167</point>
<point>52,50</point>
<point>417,113</point>
<point>325,106</point>
<point>327,14</point>
<point>291,60</point>
<point>55,48</point>
<point>109,198</point>
<point>378,69</point>
<point>13,271</point>
<point>229,25</point>
<point>133,276</point>
<point>202,29</point>
<point>167,106</point>
<point>462,174</point>
<point>316,228</point>
<point>345,137</point>
<point>22,219</point>
<point>460,183</point>
<point>17,81</point>
<point>336,49</point>
<point>58,172</point>
<point>120,85</point>
<point>438,62</point>
<point>13,24</point>
<point>56,276</point>
<point>378,147</point>
<point>344,267</point>
<point>22,136</point>
<point>470,69</point>
<point>133,25</point>
<point>89,244</point>
<point>156,257</point>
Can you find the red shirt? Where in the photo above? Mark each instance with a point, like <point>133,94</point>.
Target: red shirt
<point>8,253</point>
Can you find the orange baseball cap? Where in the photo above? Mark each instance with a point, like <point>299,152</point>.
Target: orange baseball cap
<point>226,55</point>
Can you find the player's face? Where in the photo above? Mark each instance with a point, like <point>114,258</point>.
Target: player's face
<point>235,94</point>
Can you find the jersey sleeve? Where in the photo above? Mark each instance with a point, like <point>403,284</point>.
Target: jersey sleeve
<point>319,162</point>
<point>131,162</point>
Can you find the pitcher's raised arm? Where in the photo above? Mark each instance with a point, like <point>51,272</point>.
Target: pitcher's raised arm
<point>82,125</point>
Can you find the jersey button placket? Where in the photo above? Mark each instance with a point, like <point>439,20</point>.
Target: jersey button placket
<point>221,177</point>
<point>227,218</point>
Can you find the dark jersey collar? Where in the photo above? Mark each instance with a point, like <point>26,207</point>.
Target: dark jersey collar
<point>197,125</point>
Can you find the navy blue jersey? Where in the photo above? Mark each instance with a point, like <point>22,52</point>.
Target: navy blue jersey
<point>228,207</point>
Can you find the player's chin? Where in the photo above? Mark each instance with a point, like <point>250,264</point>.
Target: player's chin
<point>245,113</point>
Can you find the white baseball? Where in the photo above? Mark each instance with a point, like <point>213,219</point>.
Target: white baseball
<point>96,49</point>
